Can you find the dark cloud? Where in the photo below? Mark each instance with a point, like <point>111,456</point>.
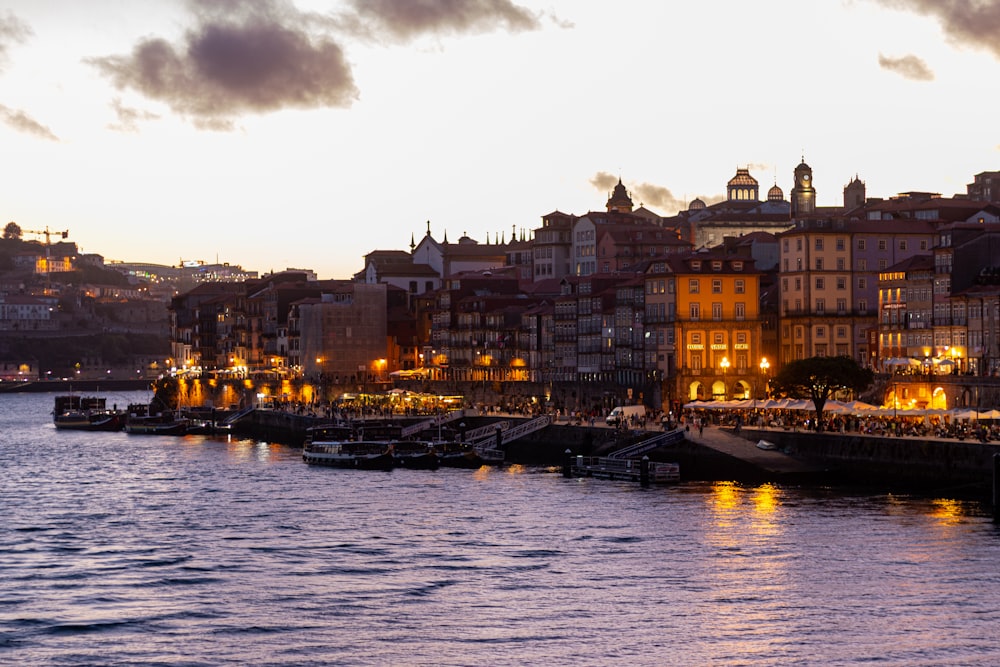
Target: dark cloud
<point>909,67</point>
<point>241,57</point>
<point>22,122</point>
<point>410,18</point>
<point>258,56</point>
<point>12,30</point>
<point>966,22</point>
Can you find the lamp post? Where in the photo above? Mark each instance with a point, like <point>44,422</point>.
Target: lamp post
<point>724,365</point>
<point>764,365</point>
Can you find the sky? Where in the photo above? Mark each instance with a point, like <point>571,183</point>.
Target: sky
<point>308,133</point>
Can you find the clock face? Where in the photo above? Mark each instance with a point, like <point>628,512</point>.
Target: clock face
<point>805,177</point>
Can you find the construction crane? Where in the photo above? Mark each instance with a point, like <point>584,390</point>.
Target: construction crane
<point>48,251</point>
<point>47,234</point>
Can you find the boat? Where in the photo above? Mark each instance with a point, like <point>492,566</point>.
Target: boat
<point>86,413</point>
<point>333,446</point>
<point>458,455</point>
<point>141,420</point>
<point>766,445</point>
<point>416,454</point>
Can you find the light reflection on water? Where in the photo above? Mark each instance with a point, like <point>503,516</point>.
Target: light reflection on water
<point>120,549</point>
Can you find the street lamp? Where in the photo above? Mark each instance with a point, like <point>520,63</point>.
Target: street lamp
<point>764,365</point>
<point>724,365</point>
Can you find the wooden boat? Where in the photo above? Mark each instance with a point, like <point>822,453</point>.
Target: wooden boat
<point>85,413</point>
<point>416,454</point>
<point>141,420</point>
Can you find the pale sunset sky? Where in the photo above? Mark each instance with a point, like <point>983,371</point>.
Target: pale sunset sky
<point>307,133</point>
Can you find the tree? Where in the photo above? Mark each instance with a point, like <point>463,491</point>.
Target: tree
<point>819,378</point>
<point>12,231</point>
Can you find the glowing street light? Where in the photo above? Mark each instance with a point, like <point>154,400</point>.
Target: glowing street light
<point>724,365</point>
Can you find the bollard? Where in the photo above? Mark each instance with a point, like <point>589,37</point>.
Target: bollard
<point>644,471</point>
<point>996,488</point>
<point>568,464</point>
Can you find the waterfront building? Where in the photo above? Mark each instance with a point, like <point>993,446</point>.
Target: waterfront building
<point>717,332</point>
<point>340,334</point>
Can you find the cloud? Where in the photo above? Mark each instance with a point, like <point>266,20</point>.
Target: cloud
<point>22,122</point>
<point>909,67</point>
<point>12,30</point>
<point>966,22</point>
<point>129,118</point>
<point>240,57</point>
<point>409,18</point>
<point>259,56</point>
<point>655,197</point>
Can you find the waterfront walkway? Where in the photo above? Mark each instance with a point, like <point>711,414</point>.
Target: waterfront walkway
<point>771,461</point>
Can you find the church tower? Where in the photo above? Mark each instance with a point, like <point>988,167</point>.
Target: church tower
<point>854,194</point>
<point>803,193</point>
<point>619,200</point>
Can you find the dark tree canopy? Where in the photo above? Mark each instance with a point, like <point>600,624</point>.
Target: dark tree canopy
<point>819,378</point>
<point>12,231</point>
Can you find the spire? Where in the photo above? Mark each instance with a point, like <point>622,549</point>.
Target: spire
<point>445,241</point>
<point>412,244</point>
<point>428,228</point>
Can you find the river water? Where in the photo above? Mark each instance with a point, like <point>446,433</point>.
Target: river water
<point>147,550</point>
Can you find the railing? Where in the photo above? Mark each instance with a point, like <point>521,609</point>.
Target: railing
<point>233,418</point>
<point>648,445</point>
<point>487,446</point>
<point>438,420</point>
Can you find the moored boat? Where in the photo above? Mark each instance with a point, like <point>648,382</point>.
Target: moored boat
<point>140,420</point>
<point>416,454</point>
<point>458,455</point>
<point>85,413</point>
<point>358,454</point>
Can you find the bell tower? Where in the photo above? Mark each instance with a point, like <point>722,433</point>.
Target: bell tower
<point>803,194</point>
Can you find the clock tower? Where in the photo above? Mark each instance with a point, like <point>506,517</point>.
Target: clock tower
<point>803,193</point>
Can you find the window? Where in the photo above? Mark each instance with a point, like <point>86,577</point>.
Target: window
<point>841,264</point>
<point>883,264</point>
<point>739,287</point>
<point>784,284</point>
<point>862,306</point>
<point>841,306</point>
<point>716,311</point>
<point>820,332</point>
<point>819,244</point>
<point>902,244</point>
<point>841,283</point>
<point>862,283</point>
<point>840,244</point>
<point>696,339</point>
<point>741,310</point>
<point>882,244</point>
<point>923,245</point>
<point>798,244</point>
<point>862,265</point>
<point>784,245</point>
<point>841,332</point>
<point>716,286</point>
<point>819,263</point>
<point>718,339</point>
<point>861,244</point>
<point>693,286</point>
<point>695,311</point>
<point>820,306</point>
<point>820,283</point>
<point>798,284</point>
